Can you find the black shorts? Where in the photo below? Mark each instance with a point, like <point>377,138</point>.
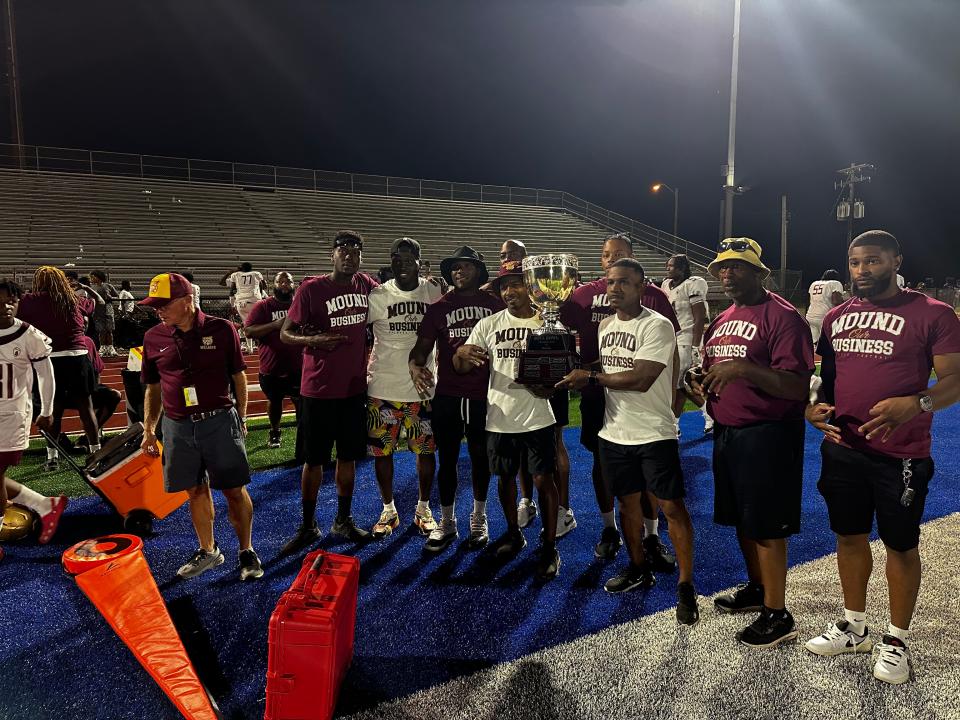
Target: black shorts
<point>859,485</point>
<point>75,379</point>
<point>758,478</point>
<point>324,422</point>
<point>278,387</point>
<point>560,404</point>
<point>212,449</point>
<point>592,406</point>
<point>506,452</point>
<point>455,418</point>
<point>653,466</point>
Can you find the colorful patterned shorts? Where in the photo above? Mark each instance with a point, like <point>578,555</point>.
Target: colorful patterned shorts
<point>386,419</point>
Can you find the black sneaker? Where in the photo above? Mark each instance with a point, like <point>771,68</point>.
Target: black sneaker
<point>769,629</point>
<point>746,598</point>
<point>631,578</point>
<point>250,566</point>
<point>305,537</point>
<point>201,562</point>
<point>660,560</point>
<point>509,544</point>
<point>548,564</point>
<point>274,441</point>
<point>346,528</point>
<point>609,545</point>
<point>687,611</point>
<point>51,465</point>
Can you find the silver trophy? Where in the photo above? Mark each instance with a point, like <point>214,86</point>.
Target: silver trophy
<point>551,350</point>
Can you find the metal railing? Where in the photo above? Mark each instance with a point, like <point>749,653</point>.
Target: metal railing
<point>38,158</point>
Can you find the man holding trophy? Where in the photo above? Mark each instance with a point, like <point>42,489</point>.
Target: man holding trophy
<point>519,418</point>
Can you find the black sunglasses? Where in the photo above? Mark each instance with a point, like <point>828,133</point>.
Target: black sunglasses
<point>735,245</point>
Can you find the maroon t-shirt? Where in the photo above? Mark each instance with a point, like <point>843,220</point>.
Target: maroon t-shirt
<point>771,334</point>
<point>588,306</point>
<point>37,309</point>
<point>276,357</point>
<point>883,350</point>
<point>448,322</point>
<point>324,306</point>
<point>204,357</point>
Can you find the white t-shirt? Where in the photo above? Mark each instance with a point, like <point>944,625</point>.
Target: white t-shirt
<point>248,285</point>
<point>19,349</point>
<point>632,417</point>
<point>683,297</point>
<point>126,301</point>
<point>511,407</point>
<point>821,297</point>
<point>395,316</point>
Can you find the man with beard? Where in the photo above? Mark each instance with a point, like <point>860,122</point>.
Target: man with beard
<point>280,364</point>
<point>519,418</point>
<point>758,362</point>
<point>328,318</point>
<point>638,445</point>
<point>396,309</point>
<point>583,312</point>
<point>460,403</point>
<point>878,349</point>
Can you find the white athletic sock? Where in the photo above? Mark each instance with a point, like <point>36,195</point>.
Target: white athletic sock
<point>480,507</point>
<point>525,501</point>
<point>561,511</point>
<point>40,504</point>
<point>898,632</point>
<point>650,526</point>
<point>857,620</point>
<point>609,519</point>
<point>423,506</point>
<point>390,507</point>
<point>94,448</point>
<point>446,512</point>
<point>52,453</point>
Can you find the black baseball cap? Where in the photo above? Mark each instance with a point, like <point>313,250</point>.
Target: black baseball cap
<point>410,243</point>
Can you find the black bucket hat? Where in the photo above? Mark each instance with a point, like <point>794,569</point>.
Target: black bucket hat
<point>465,252</point>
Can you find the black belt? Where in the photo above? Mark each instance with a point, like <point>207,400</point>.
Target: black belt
<point>197,417</point>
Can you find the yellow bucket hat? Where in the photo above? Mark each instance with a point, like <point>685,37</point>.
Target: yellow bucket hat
<point>742,248</point>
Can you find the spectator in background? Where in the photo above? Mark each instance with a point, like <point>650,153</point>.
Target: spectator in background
<point>196,289</point>
<point>54,308</point>
<point>104,314</point>
<point>825,294</point>
<point>126,298</point>
<point>248,287</point>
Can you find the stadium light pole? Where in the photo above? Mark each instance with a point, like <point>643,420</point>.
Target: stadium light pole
<point>729,186</point>
<point>676,201</point>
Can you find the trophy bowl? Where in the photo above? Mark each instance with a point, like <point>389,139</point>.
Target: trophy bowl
<point>551,350</point>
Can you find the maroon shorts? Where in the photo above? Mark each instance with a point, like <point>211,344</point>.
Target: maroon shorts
<point>9,458</point>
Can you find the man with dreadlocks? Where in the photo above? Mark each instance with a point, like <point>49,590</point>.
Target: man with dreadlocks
<point>54,309</point>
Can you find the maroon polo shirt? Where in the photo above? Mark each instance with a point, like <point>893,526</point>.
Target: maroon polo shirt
<point>885,349</point>
<point>770,334</point>
<point>448,322</point>
<point>324,306</point>
<point>588,306</point>
<point>66,333</point>
<point>276,357</point>
<point>205,357</point>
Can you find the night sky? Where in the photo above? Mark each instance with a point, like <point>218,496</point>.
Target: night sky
<point>597,98</point>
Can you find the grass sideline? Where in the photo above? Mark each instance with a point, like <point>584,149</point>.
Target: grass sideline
<point>66,482</point>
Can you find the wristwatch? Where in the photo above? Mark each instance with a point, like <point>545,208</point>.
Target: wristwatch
<point>592,380</point>
<point>926,403</point>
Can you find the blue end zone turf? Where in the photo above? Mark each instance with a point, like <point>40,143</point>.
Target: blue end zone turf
<point>422,619</point>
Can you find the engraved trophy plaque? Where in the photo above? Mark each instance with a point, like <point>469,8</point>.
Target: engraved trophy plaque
<point>551,350</point>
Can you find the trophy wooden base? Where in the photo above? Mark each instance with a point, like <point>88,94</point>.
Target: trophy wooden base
<point>545,367</point>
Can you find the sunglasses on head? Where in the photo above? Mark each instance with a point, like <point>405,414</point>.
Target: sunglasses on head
<point>735,245</point>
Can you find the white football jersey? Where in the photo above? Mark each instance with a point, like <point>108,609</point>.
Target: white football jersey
<point>20,346</point>
<point>821,297</point>
<point>683,297</point>
<point>248,285</point>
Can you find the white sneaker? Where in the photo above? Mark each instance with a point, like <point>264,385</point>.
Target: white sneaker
<point>442,535</point>
<point>565,522</point>
<point>839,639</point>
<point>423,520</point>
<point>526,512</point>
<point>893,661</point>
